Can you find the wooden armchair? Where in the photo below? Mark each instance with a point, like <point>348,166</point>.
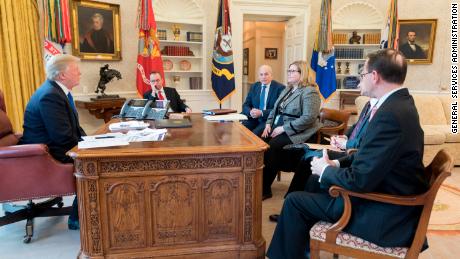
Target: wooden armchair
<point>329,237</point>
<point>337,116</point>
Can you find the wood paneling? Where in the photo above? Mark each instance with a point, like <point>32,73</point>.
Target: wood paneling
<point>195,194</point>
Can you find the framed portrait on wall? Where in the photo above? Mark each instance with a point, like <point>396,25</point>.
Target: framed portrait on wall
<point>95,30</point>
<point>245,61</point>
<point>271,53</point>
<point>416,40</point>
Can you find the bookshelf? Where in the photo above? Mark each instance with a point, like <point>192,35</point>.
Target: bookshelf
<point>350,58</point>
<point>182,49</point>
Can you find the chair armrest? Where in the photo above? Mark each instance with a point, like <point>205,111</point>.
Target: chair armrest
<point>23,151</point>
<point>335,191</point>
<point>414,200</point>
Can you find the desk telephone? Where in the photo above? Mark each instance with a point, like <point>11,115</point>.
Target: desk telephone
<point>143,109</point>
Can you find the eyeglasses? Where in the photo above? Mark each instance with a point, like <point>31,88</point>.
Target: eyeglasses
<point>293,71</point>
<point>362,75</point>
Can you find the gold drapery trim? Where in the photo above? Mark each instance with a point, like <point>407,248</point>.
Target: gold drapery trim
<point>21,56</point>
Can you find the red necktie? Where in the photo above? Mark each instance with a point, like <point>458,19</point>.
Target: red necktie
<point>160,95</point>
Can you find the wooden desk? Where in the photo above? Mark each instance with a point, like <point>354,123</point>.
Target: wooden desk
<point>197,194</point>
<point>102,108</point>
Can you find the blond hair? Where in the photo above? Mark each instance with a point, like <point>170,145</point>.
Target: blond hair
<point>302,67</point>
<point>58,64</point>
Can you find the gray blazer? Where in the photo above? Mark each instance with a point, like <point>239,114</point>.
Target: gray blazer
<point>304,104</point>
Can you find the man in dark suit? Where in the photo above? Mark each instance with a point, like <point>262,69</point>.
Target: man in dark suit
<point>260,100</point>
<point>97,39</point>
<point>160,92</point>
<point>410,49</point>
<point>345,143</point>
<point>389,161</point>
<point>51,118</point>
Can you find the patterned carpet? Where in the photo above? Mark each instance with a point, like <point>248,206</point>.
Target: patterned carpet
<point>446,209</point>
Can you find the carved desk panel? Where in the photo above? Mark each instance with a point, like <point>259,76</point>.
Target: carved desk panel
<point>197,194</point>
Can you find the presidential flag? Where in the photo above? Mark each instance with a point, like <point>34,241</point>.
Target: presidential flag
<point>390,33</point>
<point>223,75</point>
<point>323,58</point>
<point>148,56</point>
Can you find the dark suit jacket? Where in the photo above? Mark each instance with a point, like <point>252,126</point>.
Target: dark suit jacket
<point>409,53</point>
<point>49,119</point>
<point>389,161</point>
<point>253,99</point>
<point>175,102</point>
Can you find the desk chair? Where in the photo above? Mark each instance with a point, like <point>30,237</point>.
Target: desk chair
<point>29,172</point>
<point>329,237</point>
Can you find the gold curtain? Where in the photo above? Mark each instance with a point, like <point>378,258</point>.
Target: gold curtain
<point>21,56</point>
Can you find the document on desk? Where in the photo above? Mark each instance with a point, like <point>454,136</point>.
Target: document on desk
<point>226,117</point>
<point>103,140</point>
<point>146,135</point>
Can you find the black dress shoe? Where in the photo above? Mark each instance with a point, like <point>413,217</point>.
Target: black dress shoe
<point>274,217</point>
<point>266,196</point>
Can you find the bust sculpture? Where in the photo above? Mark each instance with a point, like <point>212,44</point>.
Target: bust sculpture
<point>355,38</point>
<point>106,75</point>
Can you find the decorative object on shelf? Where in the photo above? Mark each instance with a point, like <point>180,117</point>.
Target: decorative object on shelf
<point>185,65</point>
<point>339,69</point>
<point>194,36</point>
<point>245,61</point>
<point>350,82</point>
<point>355,38</point>
<point>176,31</point>
<point>167,65</point>
<point>271,53</point>
<point>347,69</point>
<point>196,83</point>
<point>420,34</point>
<point>176,80</point>
<point>95,30</point>
<point>176,51</point>
<point>161,34</point>
<point>106,75</point>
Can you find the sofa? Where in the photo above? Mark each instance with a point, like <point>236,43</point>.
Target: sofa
<point>434,112</point>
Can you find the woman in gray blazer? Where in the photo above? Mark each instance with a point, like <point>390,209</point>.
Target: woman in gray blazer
<point>293,120</point>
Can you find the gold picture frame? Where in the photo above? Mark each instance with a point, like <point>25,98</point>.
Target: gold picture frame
<point>95,30</point>
<point>422,33</point>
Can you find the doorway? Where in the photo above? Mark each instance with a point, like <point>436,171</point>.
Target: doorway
<point>263,44</point>
<point>293,15</point>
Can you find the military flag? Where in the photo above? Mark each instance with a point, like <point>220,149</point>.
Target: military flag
<point>148,56</point>
<point>323,56</point>
<point>223,75</point>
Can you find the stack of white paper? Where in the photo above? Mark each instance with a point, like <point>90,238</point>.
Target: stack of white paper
<point>120,139</point>
<point>128,125</point>
<point>227,117</point>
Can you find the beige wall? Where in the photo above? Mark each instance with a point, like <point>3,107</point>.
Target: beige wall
<point>258,36</point>
<point>421,77</point>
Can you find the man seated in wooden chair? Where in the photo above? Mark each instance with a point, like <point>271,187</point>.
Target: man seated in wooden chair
<point>389,160</point>
<point>345,143</point>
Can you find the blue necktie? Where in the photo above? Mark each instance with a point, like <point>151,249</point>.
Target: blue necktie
<point>72,104</point>
<point>262,98</point>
